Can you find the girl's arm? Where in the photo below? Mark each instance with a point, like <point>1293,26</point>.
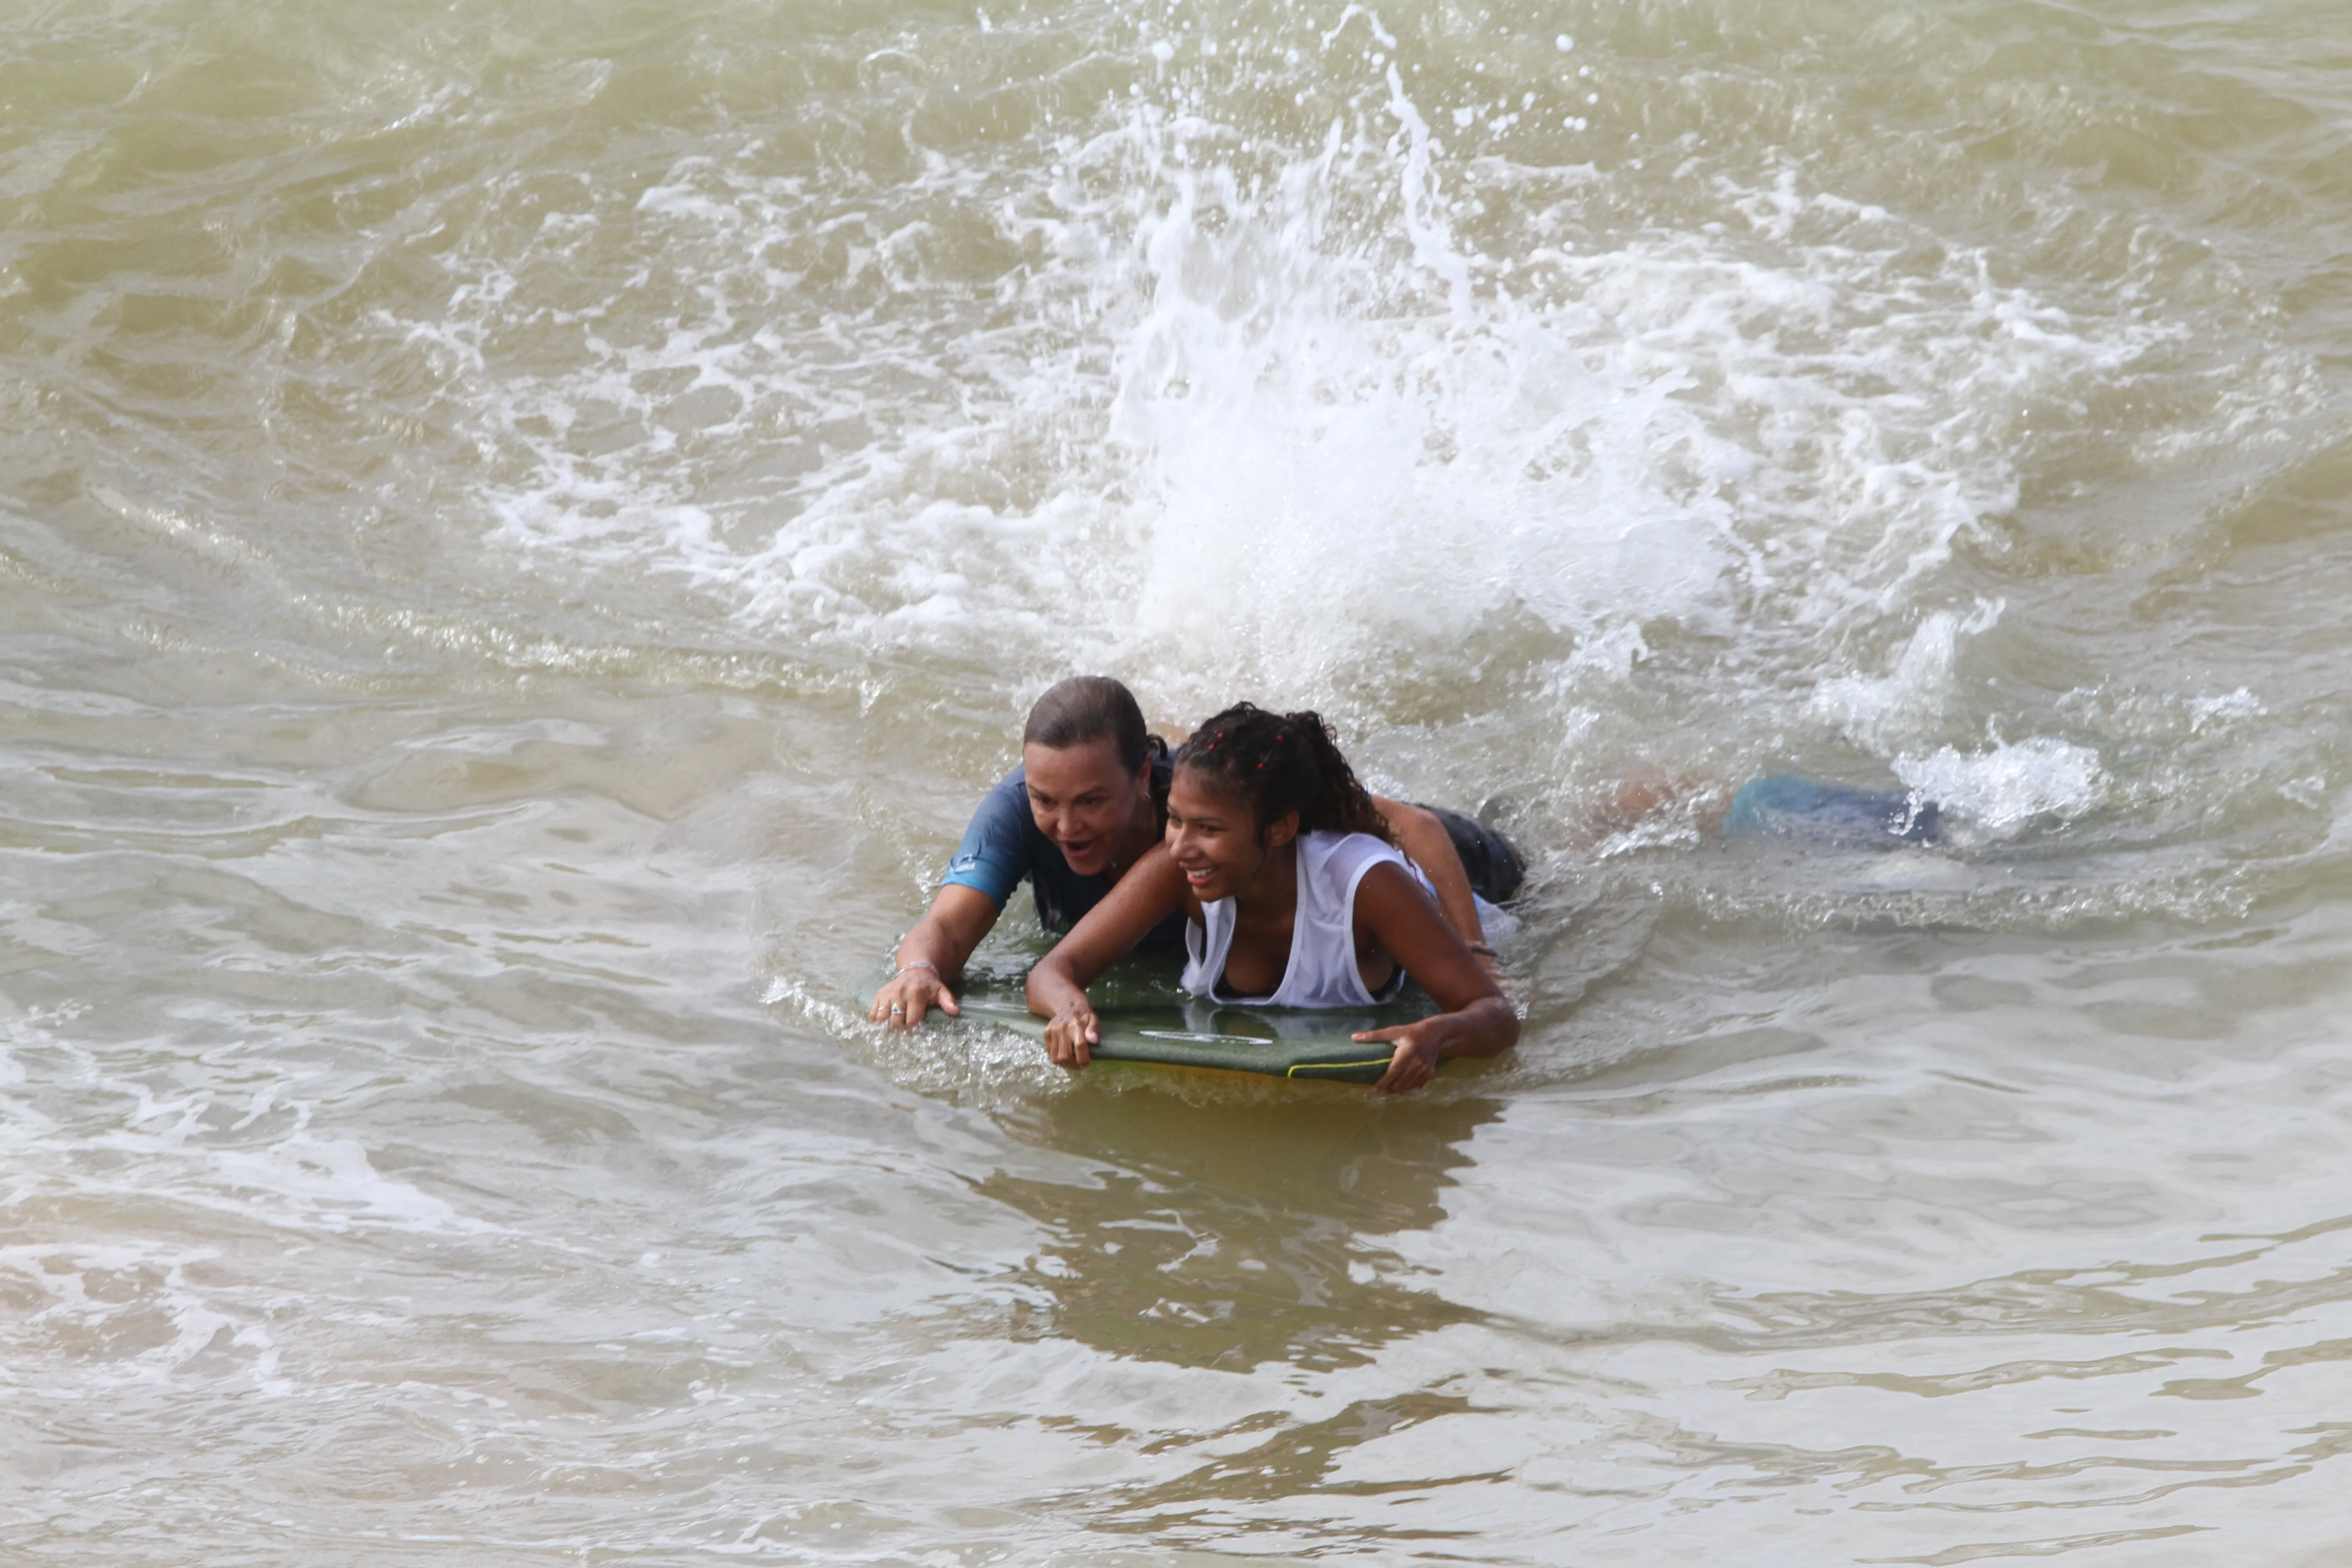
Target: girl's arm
<point>1153,889</point>
<point>1477,1021</point>
<point>1427,844</point>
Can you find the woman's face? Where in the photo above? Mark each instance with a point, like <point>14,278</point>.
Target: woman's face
<point>1088,804</point>
<point>1212,840</point>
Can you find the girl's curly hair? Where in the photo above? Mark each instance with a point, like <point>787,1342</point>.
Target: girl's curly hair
<point>1279,762</point>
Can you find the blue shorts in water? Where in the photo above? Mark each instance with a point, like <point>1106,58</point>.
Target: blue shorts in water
<point>1789,807</point>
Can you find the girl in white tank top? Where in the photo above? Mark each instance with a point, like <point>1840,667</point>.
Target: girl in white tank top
<point>1284,866</point>
<point>1323,971</point>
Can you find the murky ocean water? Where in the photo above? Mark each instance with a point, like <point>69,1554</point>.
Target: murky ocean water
<point>525,529</point>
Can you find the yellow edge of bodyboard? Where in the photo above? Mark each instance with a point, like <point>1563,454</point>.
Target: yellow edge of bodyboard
<point>1295,1070</point>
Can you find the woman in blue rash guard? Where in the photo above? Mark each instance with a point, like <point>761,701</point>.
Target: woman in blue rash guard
<point>1089,799</point>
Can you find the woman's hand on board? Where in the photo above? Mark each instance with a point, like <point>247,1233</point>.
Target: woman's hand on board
<point>907,996</point>
<point>1478,1020</point>
<point>1149,891</point>
<point>1072,1035</point>
<point>1484,1027</point>
<point>1415,1060</point>
<point>933,954</point>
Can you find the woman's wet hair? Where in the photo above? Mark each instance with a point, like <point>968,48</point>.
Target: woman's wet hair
<point>1089,708</point>
<point>1279,762</point>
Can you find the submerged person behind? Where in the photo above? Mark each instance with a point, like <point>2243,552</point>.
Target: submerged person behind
<point>1789,806</point>
<point>1084,807</point>
<point>1295,895</point>
<point>1778,805</point>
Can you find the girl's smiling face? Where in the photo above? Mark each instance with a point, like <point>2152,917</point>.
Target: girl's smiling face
<point>1212,840</point>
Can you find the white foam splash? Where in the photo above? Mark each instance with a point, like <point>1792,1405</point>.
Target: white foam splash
<point>2010,785</point>
<point>1320,484</point>
<point>1262,416</point>
<point>1915,694</point>
<point>1313,409</point>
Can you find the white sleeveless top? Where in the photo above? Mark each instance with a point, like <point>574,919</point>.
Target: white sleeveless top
<point>1323,971</point>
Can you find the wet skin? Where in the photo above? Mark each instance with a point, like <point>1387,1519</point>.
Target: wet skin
<point>1214,849</point>
<point>1099,815</point>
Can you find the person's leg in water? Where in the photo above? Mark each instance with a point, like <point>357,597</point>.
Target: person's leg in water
<point>1496,867</point>
<point>1788,807</point>
<point>1778,805</point>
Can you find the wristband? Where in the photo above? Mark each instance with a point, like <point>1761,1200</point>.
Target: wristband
<point>918,963</point>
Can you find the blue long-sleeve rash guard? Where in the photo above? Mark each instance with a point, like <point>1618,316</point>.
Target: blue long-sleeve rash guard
<point>1002,846</point>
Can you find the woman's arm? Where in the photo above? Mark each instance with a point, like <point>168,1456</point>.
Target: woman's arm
<point>931,957</point>
<point>989,863</point>
<point>1477,1021</point>
<point>1149,892</point>
<point>1428,845</point>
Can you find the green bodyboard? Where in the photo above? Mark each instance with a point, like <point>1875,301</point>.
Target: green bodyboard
<point>1146,1021</point>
